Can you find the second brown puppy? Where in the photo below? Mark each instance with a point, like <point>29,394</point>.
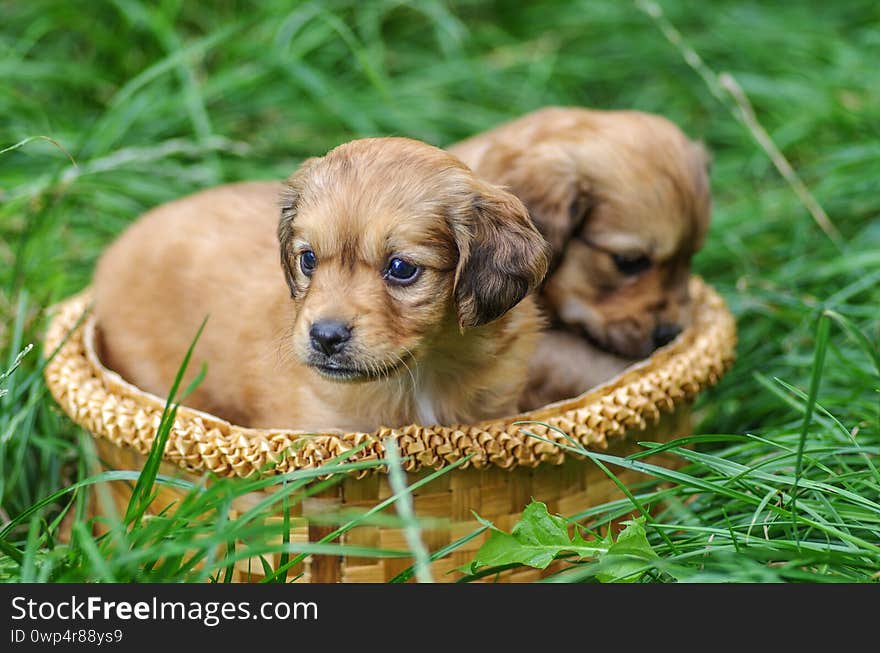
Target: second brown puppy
<point>623,199</point>
<point>405,298</point>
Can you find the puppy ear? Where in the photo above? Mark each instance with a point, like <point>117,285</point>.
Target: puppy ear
<point>545,178</point>
<point>291,196</point>
<point>502,256</point>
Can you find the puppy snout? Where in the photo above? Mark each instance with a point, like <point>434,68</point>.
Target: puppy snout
<point>664,333</point>
<point>329,336</point>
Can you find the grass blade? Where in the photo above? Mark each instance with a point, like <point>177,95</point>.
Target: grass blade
<point>142,494</point>
<point>823,329</point>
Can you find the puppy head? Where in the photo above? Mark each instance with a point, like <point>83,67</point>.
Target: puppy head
<point>388,244</point>
<point>623,199</point>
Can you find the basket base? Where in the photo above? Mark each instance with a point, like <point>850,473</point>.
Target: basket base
<point>497,495</point>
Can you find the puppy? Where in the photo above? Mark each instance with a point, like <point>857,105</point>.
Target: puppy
<point>623,199</point>
<point>401,296</point>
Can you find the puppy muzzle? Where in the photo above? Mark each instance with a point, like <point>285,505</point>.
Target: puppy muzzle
<point>331,354</point>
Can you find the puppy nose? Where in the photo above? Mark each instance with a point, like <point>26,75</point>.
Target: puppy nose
<point>664,333</point>
<point>329,336</point>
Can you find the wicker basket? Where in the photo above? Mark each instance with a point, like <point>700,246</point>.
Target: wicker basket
<point>652,399</point>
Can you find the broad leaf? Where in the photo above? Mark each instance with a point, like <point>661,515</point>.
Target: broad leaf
<point>538,538</point>
<point>535,540</point>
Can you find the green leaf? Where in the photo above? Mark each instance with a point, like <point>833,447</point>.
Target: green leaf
<point>625,559</point>
<point>535,540</point>
<point>538,538</point>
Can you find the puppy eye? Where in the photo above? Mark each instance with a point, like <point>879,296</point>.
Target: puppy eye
<point>307,262</point>
<point>401,272</point>
<point>631,265</point>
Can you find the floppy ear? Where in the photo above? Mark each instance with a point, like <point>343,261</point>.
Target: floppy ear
<point>291,195</point>
<point>546,179</point>
<point>502,257</point>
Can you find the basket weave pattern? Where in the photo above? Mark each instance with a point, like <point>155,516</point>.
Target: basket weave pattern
<point>109,407</point>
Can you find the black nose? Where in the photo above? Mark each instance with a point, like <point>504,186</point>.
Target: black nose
<point>329,336</point>
<point>665,333</point>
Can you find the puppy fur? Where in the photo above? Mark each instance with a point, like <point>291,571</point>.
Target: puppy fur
<point>450,346</point>
<point>623,199</point>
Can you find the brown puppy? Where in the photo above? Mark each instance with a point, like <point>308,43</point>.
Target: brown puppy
<point>405,297</point>
<point>623,199</point>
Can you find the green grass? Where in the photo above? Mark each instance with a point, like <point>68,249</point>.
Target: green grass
<point>114,109</point>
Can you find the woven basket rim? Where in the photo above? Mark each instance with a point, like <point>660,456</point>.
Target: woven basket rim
<point>108,406</point>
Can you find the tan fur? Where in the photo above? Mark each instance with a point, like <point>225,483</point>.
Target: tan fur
<point>441,350</point>
<point>564,365</point>
<point>598,183</point>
